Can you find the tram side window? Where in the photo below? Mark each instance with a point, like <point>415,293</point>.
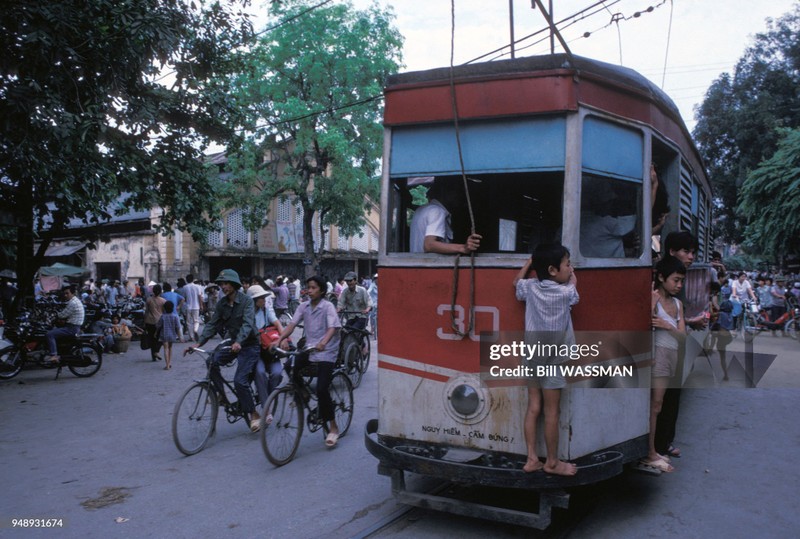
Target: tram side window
<point>611,190</point>
<point>513,212</point>
<point>610,217</point>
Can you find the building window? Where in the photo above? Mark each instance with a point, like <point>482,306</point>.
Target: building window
<point>238,236</point>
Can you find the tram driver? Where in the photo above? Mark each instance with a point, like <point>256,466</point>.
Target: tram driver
<point>431,231</point>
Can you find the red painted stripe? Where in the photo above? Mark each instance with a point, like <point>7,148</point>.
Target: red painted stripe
<point>414,372</point>
<point>480,99</point>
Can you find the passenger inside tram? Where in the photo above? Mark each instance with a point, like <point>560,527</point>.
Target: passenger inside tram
<point>513,212</point>
<point>608,214</point>
<point>431,229</point>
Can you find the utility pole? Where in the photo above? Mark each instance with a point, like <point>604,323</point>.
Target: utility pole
<point>552,37</point>
<point>511,24</point>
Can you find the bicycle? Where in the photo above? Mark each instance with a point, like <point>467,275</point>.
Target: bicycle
<point>354,350</point>
<point>752,321</point>
<point>194,418</point>
<point>284,316</point>
<point>280,434</point>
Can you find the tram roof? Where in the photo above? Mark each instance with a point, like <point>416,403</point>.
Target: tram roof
<point>529,65</point>
<point>620,79</point>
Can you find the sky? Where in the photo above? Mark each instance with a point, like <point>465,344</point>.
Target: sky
<point>707,37</point>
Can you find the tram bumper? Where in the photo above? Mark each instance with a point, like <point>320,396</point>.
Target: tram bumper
<point>485,468</point>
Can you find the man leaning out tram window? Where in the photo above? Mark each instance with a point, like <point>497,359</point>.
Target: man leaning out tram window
<point>431,231</point>
<point>235,313</point>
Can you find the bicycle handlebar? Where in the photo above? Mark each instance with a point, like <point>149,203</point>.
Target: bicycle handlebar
<point>280,352</point>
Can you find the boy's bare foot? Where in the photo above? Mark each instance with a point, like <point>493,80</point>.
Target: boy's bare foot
<point>532,465</point>
<point>561,468</point>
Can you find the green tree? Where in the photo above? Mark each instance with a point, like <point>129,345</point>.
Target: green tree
<point>770,202</point>
<point>104,97</point>
<point>738,120</point>
<point>311,88</point>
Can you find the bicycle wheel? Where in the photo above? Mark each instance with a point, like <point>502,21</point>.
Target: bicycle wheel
<point>352,361</point>
<point>749,328</point>
<point>194,418</point>
<point>10,362</point>
<point>366,355</point>
<point>791,329</point>
<point>341,390</point>
<point>86,362</point>
<point>281,438</point>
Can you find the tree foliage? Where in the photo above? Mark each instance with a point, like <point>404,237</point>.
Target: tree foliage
<point>104,97</point>
<point>310,89</point>
<point>771,199</point>
<point>738,121</point>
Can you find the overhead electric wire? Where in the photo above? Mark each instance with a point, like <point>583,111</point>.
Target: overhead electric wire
<point>293,17</point>
<point>666,49</point>
<point>558,24</point>
<point>264,31</point>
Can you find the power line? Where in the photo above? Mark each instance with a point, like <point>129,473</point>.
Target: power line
<point>293,17</point>
<point>328,110</point>
<point>666,49</point>
<point>264,31</point>
<point>558,24</point>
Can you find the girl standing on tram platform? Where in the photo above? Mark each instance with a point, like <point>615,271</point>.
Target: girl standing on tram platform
<point>670,328</point>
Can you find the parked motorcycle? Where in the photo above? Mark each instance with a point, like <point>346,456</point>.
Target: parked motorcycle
<point>759,321</point>
<point>82,355</point>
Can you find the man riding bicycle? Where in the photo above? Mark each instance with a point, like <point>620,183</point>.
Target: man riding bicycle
<point>235,314</point>
<point>355,302</point>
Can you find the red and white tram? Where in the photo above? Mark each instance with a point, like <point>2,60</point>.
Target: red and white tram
<point>544,141</point>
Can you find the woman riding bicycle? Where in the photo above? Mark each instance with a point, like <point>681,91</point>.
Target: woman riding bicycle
<point>321,323</point>
<point>266,320</point>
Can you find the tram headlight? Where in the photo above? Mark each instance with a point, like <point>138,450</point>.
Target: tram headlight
<point>465,399</point>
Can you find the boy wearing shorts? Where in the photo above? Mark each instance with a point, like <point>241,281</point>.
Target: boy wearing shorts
<point>548,301</point>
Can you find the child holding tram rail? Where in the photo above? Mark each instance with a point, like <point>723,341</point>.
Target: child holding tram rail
<point>670,328</point>
<point>548,300</point>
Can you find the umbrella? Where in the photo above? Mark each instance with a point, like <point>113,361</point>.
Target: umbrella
<point>62,269</point>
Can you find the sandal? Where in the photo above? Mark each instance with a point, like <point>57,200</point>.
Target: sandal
<point>254,426</point>
<point>661,465</point>
<point>674,452</point>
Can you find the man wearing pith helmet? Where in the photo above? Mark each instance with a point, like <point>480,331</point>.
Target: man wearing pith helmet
<point>235,314</point>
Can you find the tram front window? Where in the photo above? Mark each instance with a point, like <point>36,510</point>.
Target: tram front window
<point>610,217</point>
<point>513,212</point>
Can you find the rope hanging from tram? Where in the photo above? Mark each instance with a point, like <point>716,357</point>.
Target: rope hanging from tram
<point>456,266</point>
